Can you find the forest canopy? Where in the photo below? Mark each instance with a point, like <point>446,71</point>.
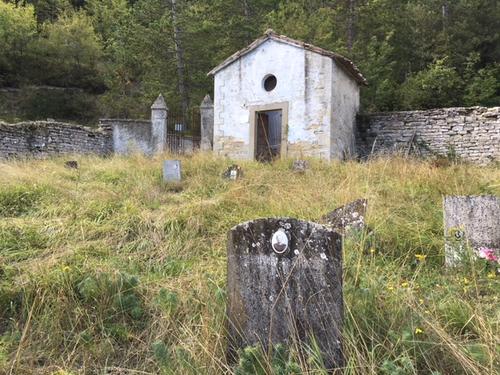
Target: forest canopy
<point>113,57</point>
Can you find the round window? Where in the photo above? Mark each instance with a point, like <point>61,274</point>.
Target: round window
<point>270,82</point>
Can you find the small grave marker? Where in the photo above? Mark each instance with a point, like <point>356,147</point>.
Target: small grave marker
<point>471,221</point>
<point>285,286</point>
<point>300,166</point>
<point>172,171</point>
<point>234,172</point>
<point>348,217</point>
<point>71,164</point>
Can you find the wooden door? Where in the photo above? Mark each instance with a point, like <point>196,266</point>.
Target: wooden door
<point>263,148</point>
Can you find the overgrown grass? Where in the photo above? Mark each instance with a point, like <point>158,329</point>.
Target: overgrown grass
<point>107,270</point>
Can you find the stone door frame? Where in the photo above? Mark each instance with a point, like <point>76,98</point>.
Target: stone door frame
<point>253,110</point>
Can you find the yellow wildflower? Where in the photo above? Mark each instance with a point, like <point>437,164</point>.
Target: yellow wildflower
<point>491,275</point>
<point>372,250</point>
<point>404,284</point>
<point>421,301</point>
<point>418,331</point>
<point>420,257</point>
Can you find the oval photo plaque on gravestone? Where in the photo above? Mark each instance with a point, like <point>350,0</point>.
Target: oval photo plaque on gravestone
<point>279,241</point>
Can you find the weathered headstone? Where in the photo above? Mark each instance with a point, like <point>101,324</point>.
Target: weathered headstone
<point>159,115</point>
<point>348,217</point>
<point>234,172</point>
<point>71,164</point>
<point>172,171</point>
<point>285,286</point>
<point>470,222</point>
<point>300,166</point>
<point>207,124</point>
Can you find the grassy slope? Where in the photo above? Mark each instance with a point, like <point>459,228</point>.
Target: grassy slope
<point>107,268</point>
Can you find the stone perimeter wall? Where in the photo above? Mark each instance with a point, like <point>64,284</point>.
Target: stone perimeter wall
<point>472,134</point>
<point>129,135</point>
<point>43,138</point>
<point>40,139</point>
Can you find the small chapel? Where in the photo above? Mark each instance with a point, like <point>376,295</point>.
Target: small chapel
<point>279,97</point>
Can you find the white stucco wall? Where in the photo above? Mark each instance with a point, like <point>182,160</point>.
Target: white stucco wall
<point>304,81</point>
<point>345,106</point>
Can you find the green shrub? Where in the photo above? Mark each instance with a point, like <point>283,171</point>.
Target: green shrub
<point>400,366</point>
<point>253,361</point>
<point>161,354</point>
<point>114,294</point>
<point>435,87</point>
<point>168,300</point>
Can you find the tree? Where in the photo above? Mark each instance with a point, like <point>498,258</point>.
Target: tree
<point>17,30</point>
<point>49,10</point>
<point>179,58</point>
<point>70,52</point>
<point>483,84</point>
<point>437,86</point>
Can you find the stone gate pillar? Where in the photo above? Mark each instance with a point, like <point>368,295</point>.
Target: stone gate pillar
<point>159,117</point>
<point>285,286</point>
<point>207,124</point>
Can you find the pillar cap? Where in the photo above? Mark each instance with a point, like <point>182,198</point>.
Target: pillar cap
<point>160,103</point>
<point>207,102</point>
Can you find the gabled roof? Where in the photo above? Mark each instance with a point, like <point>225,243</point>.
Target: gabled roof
<point>346,64</point>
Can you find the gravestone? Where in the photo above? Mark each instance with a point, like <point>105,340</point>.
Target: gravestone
<point>172,171</point>
<point>207,124</point>
<point>234,172</point>
<point>71,164</point>
<point>285,286</point>
<point>159,116</point>
<point>300,166</point>
<point>470,221</point>
<point>348,217</point>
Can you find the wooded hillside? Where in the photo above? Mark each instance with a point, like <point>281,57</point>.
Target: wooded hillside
<point>95,58</point>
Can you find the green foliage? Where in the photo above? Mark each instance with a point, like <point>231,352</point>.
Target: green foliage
<point>49,10</point>
<point>71,51</point>
<point>479,352</point>
<point>7,341</point>
<point>377,64</point>
<point>65,266</point>
<point>482,84</point>
<point>21,242</point>
<point>17,29</point>
<point>162,354</point>
<point>168,300</point>
<point>401,366</point>
<point>432,88</point>
<point>69,104</point>
<point>252,360</point>
<point>415,54</point>
<point>19,200</point>
<point>115,293</point>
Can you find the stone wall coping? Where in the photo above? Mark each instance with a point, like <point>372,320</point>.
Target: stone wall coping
<point>123,120</point>
<point>433,110</point>
<point>44,124</point>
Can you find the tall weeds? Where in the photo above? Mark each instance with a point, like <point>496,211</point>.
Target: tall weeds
<point>106,269</point>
